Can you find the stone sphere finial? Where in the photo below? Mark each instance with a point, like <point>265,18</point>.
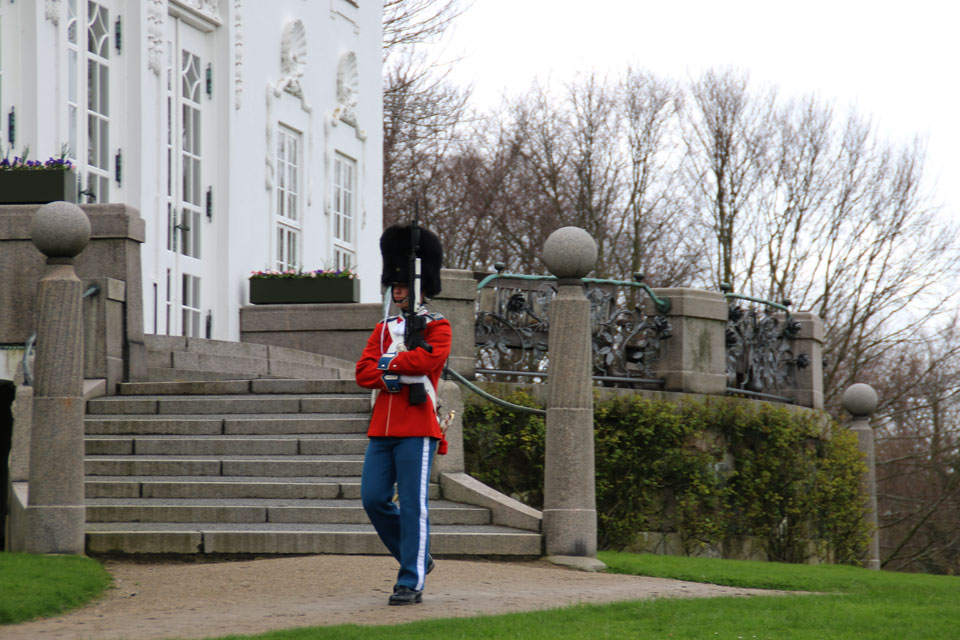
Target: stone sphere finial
<point>570,252</point>
<point>860,399</point>
<point>60,230</point>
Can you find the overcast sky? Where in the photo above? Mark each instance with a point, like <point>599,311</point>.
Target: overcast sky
<point>898,62</point>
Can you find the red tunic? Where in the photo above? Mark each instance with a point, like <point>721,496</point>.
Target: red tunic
<point>392,413</point>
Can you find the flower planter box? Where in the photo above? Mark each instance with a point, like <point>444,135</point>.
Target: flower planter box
<point>303,290</point>
<point>37,186</point>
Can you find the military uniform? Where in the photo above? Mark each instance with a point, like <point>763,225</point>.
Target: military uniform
<point>403,434</point>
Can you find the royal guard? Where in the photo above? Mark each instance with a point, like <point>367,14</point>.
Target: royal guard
<point>402,363</point>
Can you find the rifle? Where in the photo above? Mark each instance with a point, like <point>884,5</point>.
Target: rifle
<point>414,323</point>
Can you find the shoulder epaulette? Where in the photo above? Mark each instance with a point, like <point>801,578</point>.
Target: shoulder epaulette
<point>429,315</point>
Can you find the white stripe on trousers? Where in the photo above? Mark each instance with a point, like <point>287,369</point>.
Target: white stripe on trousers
<point>422,546</point>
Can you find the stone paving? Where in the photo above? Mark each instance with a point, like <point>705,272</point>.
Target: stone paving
<point>179,599</point>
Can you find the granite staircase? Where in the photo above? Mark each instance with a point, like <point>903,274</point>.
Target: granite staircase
<point>246,449</point>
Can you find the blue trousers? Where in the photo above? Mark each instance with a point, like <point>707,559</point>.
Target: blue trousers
<point>404,528</point>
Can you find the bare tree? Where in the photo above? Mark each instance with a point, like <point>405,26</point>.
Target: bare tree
<point>878,256</point>
<point>598,155</point>
<point>727,132</point>
<point>825,215</point>
<point>794,205</point>
<point>407,23</point>
<point>474,205</point>
<point>421,117</point>
<point>651,237</point>
<point>422,109</point>
<point>720,182</point>
<point>918,445</point>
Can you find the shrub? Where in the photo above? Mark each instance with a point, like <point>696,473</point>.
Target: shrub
<point>707,471</point>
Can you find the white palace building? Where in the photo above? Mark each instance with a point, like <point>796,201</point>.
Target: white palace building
<point>247,133</point>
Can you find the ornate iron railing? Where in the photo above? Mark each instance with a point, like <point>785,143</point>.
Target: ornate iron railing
<point>513,324</point>
<point>761,361</point>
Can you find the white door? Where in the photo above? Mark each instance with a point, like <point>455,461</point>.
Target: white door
<point>186,262</point>
<point>93,111</point>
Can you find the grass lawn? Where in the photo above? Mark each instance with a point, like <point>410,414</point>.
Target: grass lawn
<point>849,603</point>
<point>32,585</point>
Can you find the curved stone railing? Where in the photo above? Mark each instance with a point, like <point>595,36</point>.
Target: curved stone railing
<point>705,342</point>
<point>687,340</point>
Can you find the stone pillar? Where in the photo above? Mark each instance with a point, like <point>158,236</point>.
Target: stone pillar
<point>809,391</point>
<point>451,400</point>
<point>861,401</point>
<point>458,303</point>
<point>55,509</point>
<point>104,331</point>
<point>695,356</point>
<point>116,232</point>
<point>569,504</point>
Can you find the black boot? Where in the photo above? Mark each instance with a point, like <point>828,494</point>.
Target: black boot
<point>403,594</point>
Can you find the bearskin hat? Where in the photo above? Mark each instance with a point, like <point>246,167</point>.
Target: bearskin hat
<point>395,249</point>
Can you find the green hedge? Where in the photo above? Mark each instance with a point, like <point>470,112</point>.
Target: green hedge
<point>707,471</point>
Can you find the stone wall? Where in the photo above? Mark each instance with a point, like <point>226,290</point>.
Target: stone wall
<point>694,357</point>
<point>113,319</point>
<point>341,330</point>
<point>337,330</point>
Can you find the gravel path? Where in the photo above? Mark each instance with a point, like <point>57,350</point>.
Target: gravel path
<point>209,599</point>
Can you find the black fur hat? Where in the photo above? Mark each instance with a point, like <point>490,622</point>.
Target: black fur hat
<point>395,249</point>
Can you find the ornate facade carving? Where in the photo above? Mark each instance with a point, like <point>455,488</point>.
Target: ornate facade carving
<point>274,92</point>
<point>156,14</point>
<point>293,57</point>
<point>272,95</point>
<point>53,11</point>
<point>348,88</point>
<point>293,64</point>
<point>207,8</point>
<point>237,54</point>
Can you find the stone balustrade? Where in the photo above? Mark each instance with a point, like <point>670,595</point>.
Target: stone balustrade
<point>113,324</point>
<point>693,360</point>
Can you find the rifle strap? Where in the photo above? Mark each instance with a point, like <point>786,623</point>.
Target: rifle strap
<point>397,345</point>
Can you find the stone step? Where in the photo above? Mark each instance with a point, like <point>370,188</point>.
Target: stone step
<point>276,370</point>
<point>291,538</point>
<point>193,465</point>
<point>335,511</point>
<point>206,347</point>
<point>253,386</point>
<point>169,374</point>
<point>198,361</point>
<point>243,448</point>
<point>291,445</point>
<point>292,487</point>
<point>244,360</point>
<point>228,404</point>
<point>198,387</point>
<point>237,424</point>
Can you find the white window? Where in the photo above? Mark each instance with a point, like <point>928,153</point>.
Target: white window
<point>344,211</point>
<point>191,200</point>
<point>190,305</point>
<point>184,202</point>
<point>88,95</point>
<point>168,306</point>
<point>186,149</point>
<point>288,205</point>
